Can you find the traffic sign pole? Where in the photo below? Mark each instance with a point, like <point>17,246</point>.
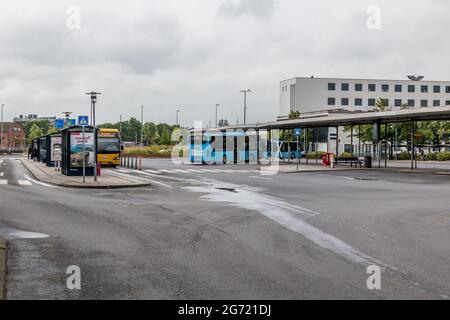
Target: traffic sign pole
<point>84,157</point>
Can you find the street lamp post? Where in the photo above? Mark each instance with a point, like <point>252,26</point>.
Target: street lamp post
<point>142,126</point>
<point>245,103</point>
<point>217,106</point>
<point>1,126</point>
<point>93,102</point>
<point>178,111</point>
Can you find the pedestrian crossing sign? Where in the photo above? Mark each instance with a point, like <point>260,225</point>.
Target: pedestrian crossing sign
<point>83,121</point>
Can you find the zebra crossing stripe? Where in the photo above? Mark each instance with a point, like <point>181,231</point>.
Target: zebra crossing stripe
<point>182,171</point>
<point>3,181</point>
<point>194,170</point>
<point>152,171</point>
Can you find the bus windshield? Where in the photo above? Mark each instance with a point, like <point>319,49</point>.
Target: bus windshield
<point>108,145</point>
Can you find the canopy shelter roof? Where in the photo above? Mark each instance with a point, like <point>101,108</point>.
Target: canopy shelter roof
<point>333,118</point>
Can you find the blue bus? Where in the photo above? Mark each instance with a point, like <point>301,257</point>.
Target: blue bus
<point>289,150</point>
<point>223,147</point>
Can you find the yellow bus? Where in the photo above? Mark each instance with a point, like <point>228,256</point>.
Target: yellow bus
<point>108,147</point>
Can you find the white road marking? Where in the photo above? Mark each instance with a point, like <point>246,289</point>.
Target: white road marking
<point>257,177</point>
<point>39,182</point>
<point>152,171</point>
<point>11,234</point>
<point>182,171</point>
<point>2,174</point>
<point>143,179</point>
<point>194,170</point>
<point>167,171</point>
<point>24,182</point>
<point>250,199</point>
<point>122,170</point>
<point>3,182</point>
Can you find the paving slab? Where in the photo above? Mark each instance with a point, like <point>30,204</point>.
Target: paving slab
<point>108,179</point>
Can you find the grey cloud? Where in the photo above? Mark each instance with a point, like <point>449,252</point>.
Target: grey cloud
<point>236,8</point>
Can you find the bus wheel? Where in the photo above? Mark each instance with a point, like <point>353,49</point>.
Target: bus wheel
<point>292,156</point>
<point>224,159</point>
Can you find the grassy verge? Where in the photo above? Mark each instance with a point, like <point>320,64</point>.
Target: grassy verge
<point>155,151</point>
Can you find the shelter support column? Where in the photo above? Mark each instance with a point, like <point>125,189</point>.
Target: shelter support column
<point>412,144</point>
<point>385,145</point>
<point>337,141</point>
<point>351,139</point>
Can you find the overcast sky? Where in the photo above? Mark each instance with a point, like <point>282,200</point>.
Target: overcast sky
<point>192,54</point>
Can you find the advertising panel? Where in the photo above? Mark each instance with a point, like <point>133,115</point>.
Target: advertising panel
<point>76,149</point>
<point>55,143</point>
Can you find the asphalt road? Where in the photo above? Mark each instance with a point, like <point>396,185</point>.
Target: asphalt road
<point>228,232</point>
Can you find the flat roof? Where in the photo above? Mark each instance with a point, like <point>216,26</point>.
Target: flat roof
<point>332,119</point>
<point>367,79</point>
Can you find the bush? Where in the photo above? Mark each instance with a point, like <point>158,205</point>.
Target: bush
<point>443,156</point>
<point>315,155</point>
<point>432,156</point>
<point>404,156</point>
<point>345,155</point>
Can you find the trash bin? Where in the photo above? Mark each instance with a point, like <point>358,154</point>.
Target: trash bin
<point>367,162</point>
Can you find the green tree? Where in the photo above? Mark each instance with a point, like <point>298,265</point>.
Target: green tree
<point>35,132</point>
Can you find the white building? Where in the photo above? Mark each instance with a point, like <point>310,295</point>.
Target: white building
<point>313,96</point>
<point>317,94</point>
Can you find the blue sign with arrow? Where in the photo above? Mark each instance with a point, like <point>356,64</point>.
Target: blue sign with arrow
<point>83,121</point>
<point>297,132</point>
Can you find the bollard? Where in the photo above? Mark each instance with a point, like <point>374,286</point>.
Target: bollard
<point>135,163</point>
<point>128,162</point>
<point>99,169</point>
<point>140,163</point>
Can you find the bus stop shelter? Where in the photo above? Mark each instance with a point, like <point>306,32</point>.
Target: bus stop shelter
<point>356,118</point>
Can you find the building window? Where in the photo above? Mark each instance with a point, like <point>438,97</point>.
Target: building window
<point>385,87</point>
<point>358,87</point>
<point>411,88</point>
<point>344,101</point>
<point>424,89</point>
<point>385,102</point>
<point>447,102</point>
<point>372,87</point>
<point>398,88</point>
<point>436,103</point>
<point>331,101</point>
<point>292,96</point>
<point>331,86</point>
<point>398,102</point>
<point>447,89</point>
<point>358,102</point>
<point>371,102</point>
<point>344,86</point>
<point>437,89</point>
<point>411,103</point>
<point>424,103</point>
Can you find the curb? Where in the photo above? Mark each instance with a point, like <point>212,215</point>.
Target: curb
<point>77,186</point>
<point>3,268</point>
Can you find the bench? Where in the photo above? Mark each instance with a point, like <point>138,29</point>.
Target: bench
<point>346,160</point>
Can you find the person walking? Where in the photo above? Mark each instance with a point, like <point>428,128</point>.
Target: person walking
<point>57,158</point>
<point>30,151</point>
